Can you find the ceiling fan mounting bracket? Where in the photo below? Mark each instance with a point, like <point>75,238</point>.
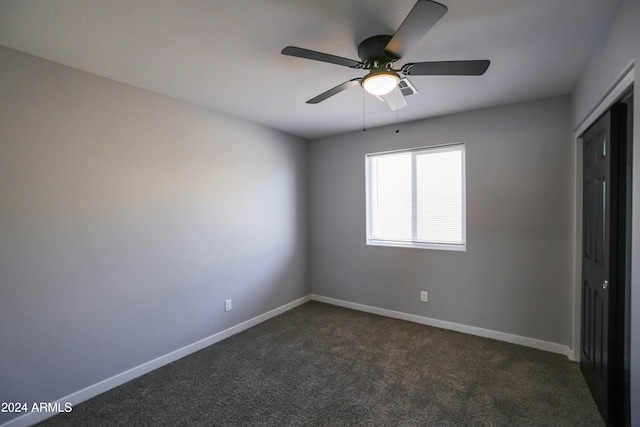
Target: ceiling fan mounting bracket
<point>373,54</point>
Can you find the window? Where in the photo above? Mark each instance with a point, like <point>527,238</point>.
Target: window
<point>416,198</point>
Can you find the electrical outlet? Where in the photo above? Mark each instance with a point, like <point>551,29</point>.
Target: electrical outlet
<point>227,305</point>
<point>424,296</point>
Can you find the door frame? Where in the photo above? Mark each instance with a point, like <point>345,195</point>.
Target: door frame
<point>617,90</point>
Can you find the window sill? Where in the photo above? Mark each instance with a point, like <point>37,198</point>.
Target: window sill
<point>456,247</point>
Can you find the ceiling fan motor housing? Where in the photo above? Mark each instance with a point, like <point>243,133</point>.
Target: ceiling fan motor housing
<point>372,51</point>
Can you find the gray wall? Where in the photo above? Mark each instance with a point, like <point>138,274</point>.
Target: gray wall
<point>618,50</point>
<point>126,218</point>
<point>515,276</point>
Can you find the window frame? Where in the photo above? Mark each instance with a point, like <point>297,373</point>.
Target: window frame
<point>370,241</point>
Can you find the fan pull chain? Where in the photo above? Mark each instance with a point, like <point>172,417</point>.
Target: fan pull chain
<point>364,121</point>
<point>397,129</point>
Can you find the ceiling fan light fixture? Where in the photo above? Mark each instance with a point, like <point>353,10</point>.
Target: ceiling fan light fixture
<point>380,82</point>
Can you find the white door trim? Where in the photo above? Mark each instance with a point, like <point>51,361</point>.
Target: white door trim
<point>619,87</point>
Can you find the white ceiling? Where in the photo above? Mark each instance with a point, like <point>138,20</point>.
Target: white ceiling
<point>225,54</point>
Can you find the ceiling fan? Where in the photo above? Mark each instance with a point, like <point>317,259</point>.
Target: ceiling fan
<point>379,53</point>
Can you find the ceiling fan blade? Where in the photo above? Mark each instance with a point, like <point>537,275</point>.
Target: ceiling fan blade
<point>424,15</point>
<point>319,56</point>
<point>446,68</point>
<point>334,91</point>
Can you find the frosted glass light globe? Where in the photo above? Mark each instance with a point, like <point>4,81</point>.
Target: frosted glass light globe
<point>380,82</point>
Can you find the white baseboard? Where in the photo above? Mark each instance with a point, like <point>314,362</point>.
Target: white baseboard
<point>119,379</point>
<point>471,330</point>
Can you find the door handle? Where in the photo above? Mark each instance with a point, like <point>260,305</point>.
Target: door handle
<point>605,284</point>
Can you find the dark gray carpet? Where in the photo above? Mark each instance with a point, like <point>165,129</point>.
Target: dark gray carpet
<point>322,365</point>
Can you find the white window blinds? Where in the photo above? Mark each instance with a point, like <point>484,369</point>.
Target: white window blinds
<point>416,198</point>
